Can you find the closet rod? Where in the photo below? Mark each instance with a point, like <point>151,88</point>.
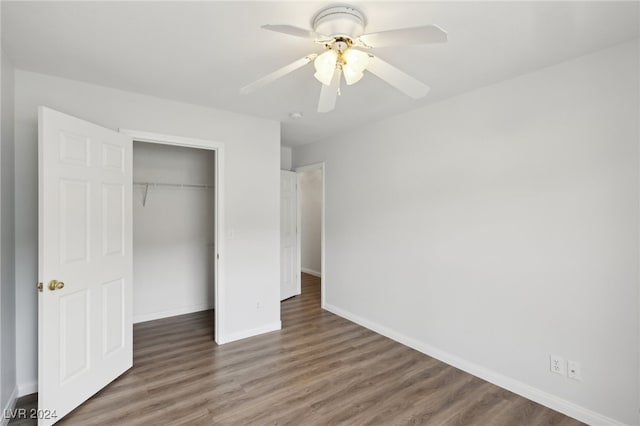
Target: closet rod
<point>175,185</point>
<point>172,185</point>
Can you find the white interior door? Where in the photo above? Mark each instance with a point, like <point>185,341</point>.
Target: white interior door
<point>85,329</point>
<point>289,276</point>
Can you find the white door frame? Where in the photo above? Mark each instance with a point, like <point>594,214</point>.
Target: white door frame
<point>218,219</point>
<point>323,270</point>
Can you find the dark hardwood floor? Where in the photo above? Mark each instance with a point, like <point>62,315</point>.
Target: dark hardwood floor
<point>320,369</point>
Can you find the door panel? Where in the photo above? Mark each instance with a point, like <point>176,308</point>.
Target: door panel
<point>113,219</point>
<point>113,326</point>
<point>75,199</point>
<point>85,330</point>
<point>74,335</point>
<point>289,276</point>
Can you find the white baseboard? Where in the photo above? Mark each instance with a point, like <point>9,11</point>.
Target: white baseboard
<point>238,335</point>
<point>27,388</point>
<point>10,405</point>
<point>170,313</point>
<point>311,272</point>
<point>549,400</point>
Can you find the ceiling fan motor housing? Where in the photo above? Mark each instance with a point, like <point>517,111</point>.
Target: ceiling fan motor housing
<point>339,21</point>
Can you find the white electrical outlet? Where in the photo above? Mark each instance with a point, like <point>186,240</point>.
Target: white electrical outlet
<point>574,370</point>
<point>558,365</point>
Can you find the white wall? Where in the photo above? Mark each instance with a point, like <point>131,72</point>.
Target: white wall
<point>7,250</point>
<point>173,251</point>
<point>500,226</point>
<point>285,158</point>
<point>251,203</point>
<point>311,221</point>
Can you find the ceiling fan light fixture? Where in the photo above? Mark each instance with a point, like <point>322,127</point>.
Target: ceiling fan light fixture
<point>340,29</point>
<point>325,65</point>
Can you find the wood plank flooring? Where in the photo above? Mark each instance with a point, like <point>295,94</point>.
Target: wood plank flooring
<point>320,369</point>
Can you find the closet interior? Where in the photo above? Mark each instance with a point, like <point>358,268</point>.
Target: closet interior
<point>173,230</point>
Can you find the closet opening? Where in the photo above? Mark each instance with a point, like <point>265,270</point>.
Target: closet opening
<point>177,206</point>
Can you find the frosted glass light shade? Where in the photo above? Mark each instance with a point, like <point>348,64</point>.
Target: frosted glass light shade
<point>356,60</point>
<point>325,65</point>
<point>351,76</point>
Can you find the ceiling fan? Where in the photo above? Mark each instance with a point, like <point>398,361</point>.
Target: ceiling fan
<point>340,29</point>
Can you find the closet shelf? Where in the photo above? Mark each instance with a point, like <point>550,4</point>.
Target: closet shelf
<point>170,185</point>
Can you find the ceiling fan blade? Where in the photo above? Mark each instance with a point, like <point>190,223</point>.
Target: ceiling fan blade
<point>277,74</point>
<point>297,32</point>
<point>396,78</point>
<point>415,35</point>
<point>329,94</point>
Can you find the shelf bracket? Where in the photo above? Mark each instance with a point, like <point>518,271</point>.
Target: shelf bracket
<point>146,191</point>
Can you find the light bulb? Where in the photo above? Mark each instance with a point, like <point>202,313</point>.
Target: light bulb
<point>325,65</point>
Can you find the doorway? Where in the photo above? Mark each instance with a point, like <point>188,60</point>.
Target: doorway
<point>173,235</point>
<point>312,225</point>
<point>210,167</point>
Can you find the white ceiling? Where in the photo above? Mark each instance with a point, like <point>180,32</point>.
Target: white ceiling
<point>203,52</point>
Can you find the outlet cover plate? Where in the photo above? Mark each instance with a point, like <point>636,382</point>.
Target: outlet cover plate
<point>557,365</point>
<point>574,370</point>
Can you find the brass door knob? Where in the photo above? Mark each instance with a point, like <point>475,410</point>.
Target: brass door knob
<point>56,285</point>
